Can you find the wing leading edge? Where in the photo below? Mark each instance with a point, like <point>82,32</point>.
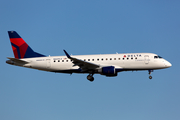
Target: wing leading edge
<point>84,65</point>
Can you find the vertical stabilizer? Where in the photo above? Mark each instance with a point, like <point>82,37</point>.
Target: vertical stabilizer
<point>20,48</point>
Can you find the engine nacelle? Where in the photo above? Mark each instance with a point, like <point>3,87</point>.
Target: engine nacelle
<point>108,71</point>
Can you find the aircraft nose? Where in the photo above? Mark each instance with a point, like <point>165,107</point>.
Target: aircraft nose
<point>168,64</point>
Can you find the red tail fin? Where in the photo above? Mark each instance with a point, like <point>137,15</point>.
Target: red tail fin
<point>20,48</point>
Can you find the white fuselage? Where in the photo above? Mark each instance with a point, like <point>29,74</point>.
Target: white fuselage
<point>121,62</point>
<point>106,64</point>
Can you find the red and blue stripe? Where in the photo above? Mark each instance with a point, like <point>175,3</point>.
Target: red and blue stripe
<point>20,48</point>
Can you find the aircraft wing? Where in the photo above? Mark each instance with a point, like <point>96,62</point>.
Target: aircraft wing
<point>18,60</point>
<point>84,65</point>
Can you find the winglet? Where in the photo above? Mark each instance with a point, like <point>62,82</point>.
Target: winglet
<point>67,54</point>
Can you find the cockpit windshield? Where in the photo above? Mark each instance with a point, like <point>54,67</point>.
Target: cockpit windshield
<point>155,57</point>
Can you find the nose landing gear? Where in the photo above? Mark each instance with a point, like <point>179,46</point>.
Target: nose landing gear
<point>150,77</point>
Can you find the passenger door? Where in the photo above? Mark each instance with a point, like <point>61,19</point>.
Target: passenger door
<point>146,59</point>
<point>48,62</point>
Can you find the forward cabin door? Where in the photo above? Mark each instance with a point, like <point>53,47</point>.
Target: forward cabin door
<point>48,63</point>
<point>146,59</point>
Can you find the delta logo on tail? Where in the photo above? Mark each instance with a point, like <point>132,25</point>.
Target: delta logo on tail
<point>20,47</point>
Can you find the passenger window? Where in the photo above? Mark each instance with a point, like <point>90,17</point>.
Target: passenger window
<point>114,58</point>
<point>131,58</point>
<point>62,60</point>
<point>119,58</point>
<point>54,61</point>
<point>127,58</point>
<point>110,58</point>
<point>97,59</point>
<point>92,59</point>
<point>106,59</point>
<point>102,59</point>
<point>84,59</point>
<point>123,58</point>
<point>58,60</point>
<point>66,60</point>
<point>88,59</point>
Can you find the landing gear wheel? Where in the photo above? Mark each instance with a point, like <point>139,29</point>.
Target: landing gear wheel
<point>150,77</point>
<point>90,78</point>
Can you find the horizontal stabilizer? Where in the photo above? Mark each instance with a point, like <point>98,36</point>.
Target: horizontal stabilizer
<point>18,60</point>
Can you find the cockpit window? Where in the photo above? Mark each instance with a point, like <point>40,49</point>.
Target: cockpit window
<point>155,57</point>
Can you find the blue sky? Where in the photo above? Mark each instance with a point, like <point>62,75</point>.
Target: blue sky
<point>91,27</point>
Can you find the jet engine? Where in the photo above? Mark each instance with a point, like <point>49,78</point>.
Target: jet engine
<point>108,71</point>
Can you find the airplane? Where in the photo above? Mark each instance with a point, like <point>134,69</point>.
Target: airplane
<point>105,64</point>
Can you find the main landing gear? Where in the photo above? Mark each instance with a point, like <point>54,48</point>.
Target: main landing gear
<point>90,77</point>
<point>150,77</point>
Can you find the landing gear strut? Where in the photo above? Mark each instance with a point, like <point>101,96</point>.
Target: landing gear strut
<point>90,77</point>
<point>150,77</point>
